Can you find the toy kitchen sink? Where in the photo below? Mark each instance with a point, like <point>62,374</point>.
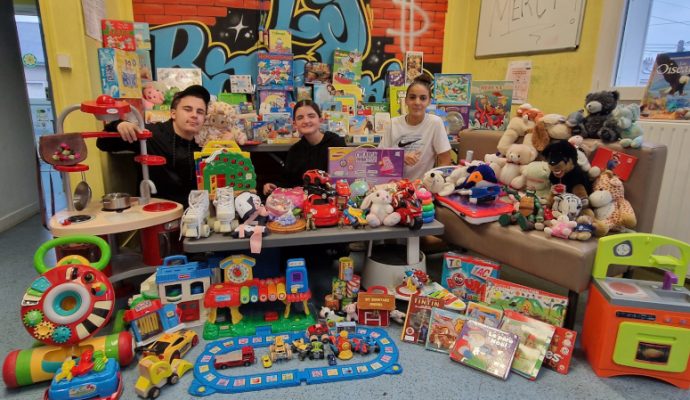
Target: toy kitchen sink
<point>635,327</point>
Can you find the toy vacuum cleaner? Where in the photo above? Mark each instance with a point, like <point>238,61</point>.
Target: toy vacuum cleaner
<point>635,327</point>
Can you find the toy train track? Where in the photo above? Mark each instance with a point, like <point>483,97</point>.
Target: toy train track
<point>207,380</point>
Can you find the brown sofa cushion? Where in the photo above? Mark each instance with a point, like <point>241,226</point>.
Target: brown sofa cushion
<point>567,263</point>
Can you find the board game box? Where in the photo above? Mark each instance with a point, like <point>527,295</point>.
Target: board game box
<point>535,337</point>
<point>375,165</point>
<point>465,275</point>
<point>561,350</point>
<point>535,303</point>
<point>485,348</point>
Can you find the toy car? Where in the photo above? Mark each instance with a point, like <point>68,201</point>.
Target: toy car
<point>245,357</point>
<point>323,211</point>
<point>365,345</point>
<point>155,373</point>
<point>171,346</point>
<point>316,177</point>
<point>410,213</point>
<point>318,332</point>
<point>266,361</point>
<point>102,383</point>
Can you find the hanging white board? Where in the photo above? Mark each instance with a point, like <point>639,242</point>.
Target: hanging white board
<point>526,26</point>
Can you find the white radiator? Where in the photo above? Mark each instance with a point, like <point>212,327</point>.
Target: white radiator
<point>673,210</point>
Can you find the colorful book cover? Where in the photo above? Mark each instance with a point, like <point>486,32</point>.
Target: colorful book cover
<point>666,95</point>
<point>145,70</point>
<point>274,71</point>
<point>414,65</point>
<point>339,123</point>
<point>395,77</point>
<point>176,79</point>
<point>450,301</point>
<point>458,117</point>
<point>618,162</point>
<point>303,93</point>
<point>490,104</point>
<point>279,41</point>
<point>274,101</point>
<point>452,89</point>
<point>484,314</point>
<point>444,328</point>
<point>396,97</point>
<point>348,90</point>
<point>234,99</point>
<point>535,303</point>
<point>347,66</point>
<point>323,93</point>
<point>485,348</point>
<point>118,34</point>
<point>142,36</point>
<point>561,350</point>
<point>382,120</point>
<point>416,325</point>
<point>375,107</point>
<point>465,276</point>
<point>241,84</point>
<point>317,72</point>
<point>349,103</point>
<point>358,125</point>
<point>535,338</point>
<point>119,73</point>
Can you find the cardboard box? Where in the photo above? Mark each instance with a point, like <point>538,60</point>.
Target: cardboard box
<point>375,165</point>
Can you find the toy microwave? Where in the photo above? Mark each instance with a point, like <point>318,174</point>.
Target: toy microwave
<point>635,327</point>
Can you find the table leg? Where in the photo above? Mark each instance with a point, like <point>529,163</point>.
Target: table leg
<point>413,250</point>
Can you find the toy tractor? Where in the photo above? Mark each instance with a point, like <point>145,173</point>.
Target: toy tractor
<point>155,373</point>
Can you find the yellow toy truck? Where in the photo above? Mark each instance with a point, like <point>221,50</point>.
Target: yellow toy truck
<point>155,373</point>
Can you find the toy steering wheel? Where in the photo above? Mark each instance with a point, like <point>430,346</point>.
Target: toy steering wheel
<point>39,256</point>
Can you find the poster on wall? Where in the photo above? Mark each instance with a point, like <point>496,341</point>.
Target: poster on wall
<point>94,12</point>
<point>414,65</point>
<point>520,72</point>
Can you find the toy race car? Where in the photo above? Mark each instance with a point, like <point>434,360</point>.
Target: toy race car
<point>318,182</point>
<point>173,345</point>
<point>323,211</point>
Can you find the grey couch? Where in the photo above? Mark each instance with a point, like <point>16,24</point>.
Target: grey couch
<point>567,263</point>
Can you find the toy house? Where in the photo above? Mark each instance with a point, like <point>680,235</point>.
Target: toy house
<point>149,318</point>
<point>374,306</point>
<point>184,284</point>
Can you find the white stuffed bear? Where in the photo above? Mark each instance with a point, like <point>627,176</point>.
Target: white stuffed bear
<point>517,157</point>
<point>380,209</point>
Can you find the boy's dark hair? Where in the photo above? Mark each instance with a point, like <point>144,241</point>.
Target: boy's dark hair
<point>423,80</point>
<point>197,91</point>
<point>306,103</point>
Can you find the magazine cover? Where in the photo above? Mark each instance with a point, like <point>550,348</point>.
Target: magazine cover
<point>457,117</point>
<point>618,162</point>
<point>118,34</point>
<point>561,350</point>
<point>444,328</point>
<point>176,79</point>
<point>465,276</point>
<point>667,95</point>
<point>416,326</point>
<point>414,65</point>
<point>274,71</point>
<point>241,84</point>
<point>535,338</point>
<point>490,104</point>
<point>317,72</point>
<point>485,348</point>
<point>484,314</point>
<point>119,73</point>
<point>535,303</point>
<point>142,36</point>
<point>279,41</point>
<point>347,66</point>
<point>452,89</point>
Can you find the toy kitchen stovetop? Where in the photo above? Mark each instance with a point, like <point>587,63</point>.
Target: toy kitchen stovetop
<point>635,327</point>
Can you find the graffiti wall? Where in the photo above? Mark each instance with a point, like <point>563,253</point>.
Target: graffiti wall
<point>222,37</point>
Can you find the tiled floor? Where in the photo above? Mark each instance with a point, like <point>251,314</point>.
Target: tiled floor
<point>426,374</point>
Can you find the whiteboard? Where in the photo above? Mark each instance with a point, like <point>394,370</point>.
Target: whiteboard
<point>525,26</point>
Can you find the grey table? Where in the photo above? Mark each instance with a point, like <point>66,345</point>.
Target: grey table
<point>219,242</point>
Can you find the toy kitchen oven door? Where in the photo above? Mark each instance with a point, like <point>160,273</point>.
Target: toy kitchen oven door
<point>635,327</point>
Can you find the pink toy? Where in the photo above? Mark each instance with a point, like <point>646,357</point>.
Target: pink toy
<point>351,312</point>
<point>561,228</point>
<point>151,96</point>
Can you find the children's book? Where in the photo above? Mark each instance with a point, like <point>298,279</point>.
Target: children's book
<point>535,303</point>
<point>416,325</point>
<point>317,72</point>
<point>339,123</point>
<point>119,73</point>
<point>323,93</point>
<point>382,120</point>
<point>347,66</point>
<point>358,125</point>
<point>118,34</point>
<point>667,95</point>
<point>484,314</point>
<point>241,84</point>
<point>395,77</point>
<point>303,93</point>
<point>457,117</point>
<point>535,338</point>
<point>274,71</point>
<point>444,328</point>
<point>561,350</point>
<point>465,275</point>
<point>145,70</point>
<point>452,88</point>
<point>485,348</point>
<point>176,79</point>
<point>348,103</point>
<point>279,41</point>
<point>490,104</point>
<point>271,101</point>
<point>397,100</point>
<point>142,36</point>
<point>618,162</point>
<point>414,65</point>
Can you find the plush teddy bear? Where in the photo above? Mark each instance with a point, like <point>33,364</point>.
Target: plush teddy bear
<point>611,210</point>
<point>565,175</point>
<point>536,177</point>
<point>380,209</point>
<point>626,117</point>
<point>517,157</point>
<point>582,160</point>
<point>518,126</point>
<point>561,227</point>
<point>548,128</point>
<point>220,124</point>
<point>599,123</point>
<point>576,122</point>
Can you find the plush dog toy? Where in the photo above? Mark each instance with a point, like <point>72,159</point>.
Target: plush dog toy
<point>548,128</point>
<point>434,182</point>
<point>612,212</point>
<point>520,125</point>
<point>565,175</point>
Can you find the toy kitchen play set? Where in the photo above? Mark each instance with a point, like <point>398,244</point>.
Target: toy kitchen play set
<point>635,327</point>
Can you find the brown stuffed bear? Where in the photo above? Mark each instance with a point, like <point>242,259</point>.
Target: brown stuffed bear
<point>562,159</point>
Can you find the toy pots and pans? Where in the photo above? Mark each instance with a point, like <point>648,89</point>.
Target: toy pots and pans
<point>82,194</point>
<point>116,201</point>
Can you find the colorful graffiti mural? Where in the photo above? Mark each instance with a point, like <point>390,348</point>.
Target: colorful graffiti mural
<point>223,37</point>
